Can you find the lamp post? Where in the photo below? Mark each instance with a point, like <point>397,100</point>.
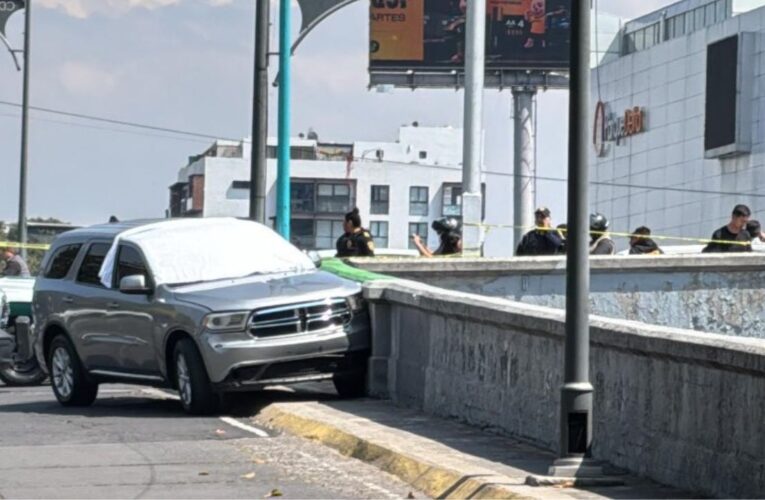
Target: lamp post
<point>576,393</point>
<point>22,223</point>
<point>258,159</point>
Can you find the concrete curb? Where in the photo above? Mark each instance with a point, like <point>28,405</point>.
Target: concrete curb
<point>432,479</point>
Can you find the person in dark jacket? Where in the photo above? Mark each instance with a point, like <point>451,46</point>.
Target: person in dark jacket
<point>356,242</point>
<point>14,264</point>
<point>543,239</point>
<point>642,244</point>
<point>754,229</point>
<point>734,232</point>
<point>449,235</point>
<point>600,241</point>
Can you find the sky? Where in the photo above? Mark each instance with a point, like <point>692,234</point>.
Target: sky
<point>187,64</point>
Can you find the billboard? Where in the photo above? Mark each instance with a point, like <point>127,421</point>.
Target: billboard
<point>429,35</point>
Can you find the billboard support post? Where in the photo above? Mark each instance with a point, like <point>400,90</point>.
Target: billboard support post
<point>524,164</point>
<point>473,116</point>
<point>283,149</point>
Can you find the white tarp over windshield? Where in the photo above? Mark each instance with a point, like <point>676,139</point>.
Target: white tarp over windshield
<point>193,250</point>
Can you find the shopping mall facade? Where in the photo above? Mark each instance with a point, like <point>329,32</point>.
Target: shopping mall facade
<point>679,104</point>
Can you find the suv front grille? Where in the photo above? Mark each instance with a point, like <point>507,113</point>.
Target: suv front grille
<point>300,318</point>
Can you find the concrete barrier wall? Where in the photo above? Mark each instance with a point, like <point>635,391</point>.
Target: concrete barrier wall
<point>682,408</point>
<point>715,293</point>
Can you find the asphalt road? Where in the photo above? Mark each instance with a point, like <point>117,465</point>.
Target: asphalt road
<point>137,443</point>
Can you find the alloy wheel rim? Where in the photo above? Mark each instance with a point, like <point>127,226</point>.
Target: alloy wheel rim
<point>184,380</point>
<point>63,374</point>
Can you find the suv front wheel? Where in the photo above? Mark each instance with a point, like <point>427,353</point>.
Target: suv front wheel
<point>70,383</point>
<point>194,387</point>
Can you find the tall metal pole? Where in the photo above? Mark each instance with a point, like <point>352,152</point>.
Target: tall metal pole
<point>283,156</point>
<point>473,144</point>
<point>258,159</point>
<point>524,165</point>
<point>22,223</point>
<point>576,393</point>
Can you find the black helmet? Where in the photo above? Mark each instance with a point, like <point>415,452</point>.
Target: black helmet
<point>445,225</point>
<point>598,222</point>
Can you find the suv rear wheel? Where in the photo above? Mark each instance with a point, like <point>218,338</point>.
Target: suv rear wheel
<point>194,387</point>
<point>70,383</point>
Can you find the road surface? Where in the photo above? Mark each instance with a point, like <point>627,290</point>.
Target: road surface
<point>137,443</point>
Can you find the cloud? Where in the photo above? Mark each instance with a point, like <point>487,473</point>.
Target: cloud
<point>87,80</point>
<point>85,8</point>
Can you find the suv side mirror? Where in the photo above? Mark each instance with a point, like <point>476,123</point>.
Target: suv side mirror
<point>134,285</point>
<point>315,257</point>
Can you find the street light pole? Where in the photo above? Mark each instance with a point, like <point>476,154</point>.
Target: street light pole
<point>258,159</point>
<point>576,393</point>
<point>475,51</point>
<point>22,223</point>
<point>283,156</point>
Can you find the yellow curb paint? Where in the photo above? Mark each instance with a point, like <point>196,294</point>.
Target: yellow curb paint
<point>434,481</point>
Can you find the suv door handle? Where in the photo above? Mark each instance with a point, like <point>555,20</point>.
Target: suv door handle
<point>113,305</point>
<point>67,300</point>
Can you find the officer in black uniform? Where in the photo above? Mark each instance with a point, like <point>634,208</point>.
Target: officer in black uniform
<point>356,242</point>
<point>543,239</point>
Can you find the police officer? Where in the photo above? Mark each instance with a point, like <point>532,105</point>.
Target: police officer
<point>448,231</point>
<point>356,242</point>
<point>600,242</point>
<point>543,240</point>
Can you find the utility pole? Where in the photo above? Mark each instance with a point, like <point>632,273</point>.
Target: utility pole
<point>22,223</point>
<point>524,156</point>
<point>473,133</point>
<point>258,159</point>
<point>576,393</point>
<point>283,156</point>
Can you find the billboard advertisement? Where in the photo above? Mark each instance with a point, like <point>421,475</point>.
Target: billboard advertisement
<point>429,35</point>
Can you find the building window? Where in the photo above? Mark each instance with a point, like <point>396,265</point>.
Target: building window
<point>327,233</point>
<point>721,11</point>
<point>418,200</point>
<point>689,22</point>
<point>333,198</point>
<point>380,200</point>
<point>302,233</point>
<point>296,152</point>
<point>241,185</point>
<point>698,16</point>
<point>418,228</point>
<point>452,200</point>
<point>379,232</point>
<point>302,197</point>
<point>423,155</point>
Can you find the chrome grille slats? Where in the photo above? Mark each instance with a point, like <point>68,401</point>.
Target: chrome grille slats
<point>299,318</point>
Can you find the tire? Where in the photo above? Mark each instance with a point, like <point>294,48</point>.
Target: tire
<point>22,374</point>
<point>71,384</point>
<point>351,386</point>
<point>194,387</point>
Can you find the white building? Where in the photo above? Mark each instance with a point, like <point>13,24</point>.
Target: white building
<point>681,119</point>
<point>399,187</point>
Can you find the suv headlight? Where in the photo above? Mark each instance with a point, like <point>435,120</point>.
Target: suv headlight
<point>226,322</point>
<point>356,303</point>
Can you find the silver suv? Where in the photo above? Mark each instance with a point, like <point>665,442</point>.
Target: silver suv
<point>205,306</point>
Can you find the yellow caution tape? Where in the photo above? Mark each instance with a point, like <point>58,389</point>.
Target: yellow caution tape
<point>489,227</point>
<point>28,246</point>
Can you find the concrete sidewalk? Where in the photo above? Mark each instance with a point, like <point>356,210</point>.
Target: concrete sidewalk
<point>441,458</point>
